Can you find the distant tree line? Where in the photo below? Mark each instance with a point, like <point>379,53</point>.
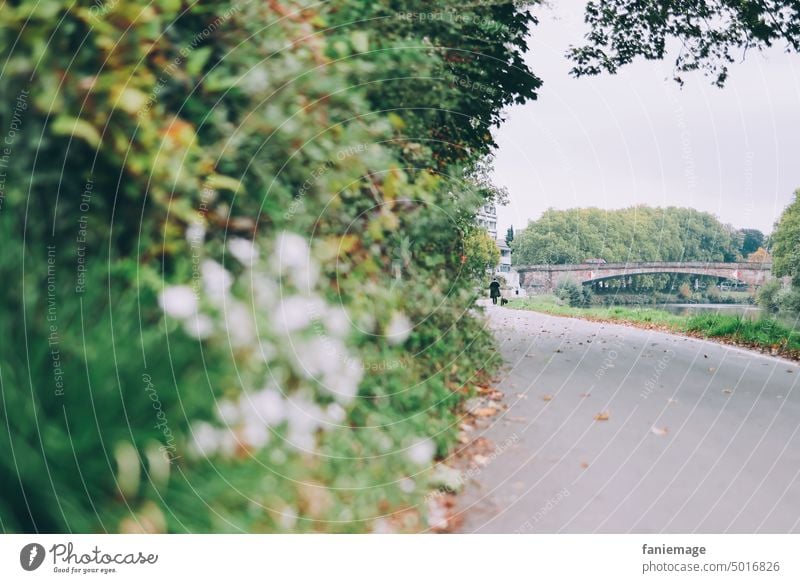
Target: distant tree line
<point>638,233</point>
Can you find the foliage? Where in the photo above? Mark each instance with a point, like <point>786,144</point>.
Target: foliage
<point>450,69</point>
<point>764,332</point>
<point>480,176</point>
<point>750,241</point>
<point>509,235</point>
<point>760,255</point>
<point>637,233</point>
<point>710,35</point>
<point>769,295</point>
<point>573,293</point>
<point>685,291</point>
<point>786,242</point>
<point>480,253</point>
<point>789,301</point>
<point>253,315</point>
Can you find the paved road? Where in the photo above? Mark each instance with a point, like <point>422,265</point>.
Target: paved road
<point>700,437</point>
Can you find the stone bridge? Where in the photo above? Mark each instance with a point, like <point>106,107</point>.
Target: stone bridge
<point>544,278</point>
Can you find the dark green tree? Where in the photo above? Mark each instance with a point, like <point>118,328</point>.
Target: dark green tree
<point>750,241</point>
<point>509,235</point>
<point>711,35</point>
<point>786,242</point>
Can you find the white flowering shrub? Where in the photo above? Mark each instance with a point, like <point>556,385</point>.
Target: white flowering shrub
<point>238,296</point>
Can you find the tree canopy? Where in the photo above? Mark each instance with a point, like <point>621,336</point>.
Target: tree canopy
<point>708,36</point>
<point>638,233</point>
<point>786,242</point>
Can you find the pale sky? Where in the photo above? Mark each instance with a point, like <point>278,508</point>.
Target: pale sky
<point>637,137</point>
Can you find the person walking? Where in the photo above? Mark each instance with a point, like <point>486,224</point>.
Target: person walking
<point>494,290</point>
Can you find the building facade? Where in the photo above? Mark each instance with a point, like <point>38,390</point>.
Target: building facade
<point>487,218</point>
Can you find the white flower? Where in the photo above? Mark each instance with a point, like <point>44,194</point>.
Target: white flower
<point>303,415</point>
<point>205,439</point>
<point>243,250</point>
<point>335,413</point>
<point>217,281</point>
<point>240,326</point>
<point>264,290</point>
<point>266,406</point>
<point>343,384</point>
<point>291,252</point>
<point>199,326</point>
<point>196,233</point>
<point>293,314</point>
<point>228,412</point>
<point>399,329</point>
<point>301,439</point>
<point>305,277</point>
<point>228,442</point>
<point>319,356</point>
<point>421,452</point>
<point>337,321</point>
<point>178,301</point>
<point>255,80</point>
<point>407,485</point>
<point>255,435</point>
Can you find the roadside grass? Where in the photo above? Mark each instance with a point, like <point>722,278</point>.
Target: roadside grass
<point>551,305</point>
<point>765,333</point>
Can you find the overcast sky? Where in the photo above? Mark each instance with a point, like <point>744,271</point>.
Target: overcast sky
<point>615,141</point>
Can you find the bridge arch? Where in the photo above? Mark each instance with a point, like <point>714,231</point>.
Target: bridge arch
<point>657,272</point>
<point>544,278</point>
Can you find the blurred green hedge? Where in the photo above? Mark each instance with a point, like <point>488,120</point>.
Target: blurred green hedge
<point>221,219</point>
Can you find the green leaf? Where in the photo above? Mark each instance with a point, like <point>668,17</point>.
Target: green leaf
<point>77,128</point>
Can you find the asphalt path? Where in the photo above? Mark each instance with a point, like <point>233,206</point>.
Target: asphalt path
<point>618,429</point>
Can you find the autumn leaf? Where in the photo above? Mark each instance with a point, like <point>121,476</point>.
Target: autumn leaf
<point>603,416</point>
<point>485,412</point>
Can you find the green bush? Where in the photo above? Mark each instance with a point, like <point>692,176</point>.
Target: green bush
<point>768,295</point>
<point>233,241</point>
<point>573,293</point>
<point>789,301</point>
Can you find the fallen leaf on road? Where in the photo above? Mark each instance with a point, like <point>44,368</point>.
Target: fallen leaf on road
<point>584,395</point>
<point>485,412</point>
<point>727,391</point>
<point>602,416</point>
<point>662,431</point>
<point>711,369</point>
<point>481,460</point>
<point>522,396</point>
<point>584,465</point>
<point>547,397</point>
